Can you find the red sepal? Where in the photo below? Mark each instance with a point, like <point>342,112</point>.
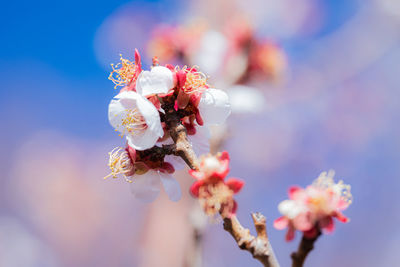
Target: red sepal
<point>194,189</point>
<point>138,63</point>
<point>234,184</point>
<point>131,152</point>
<point>167,167</point>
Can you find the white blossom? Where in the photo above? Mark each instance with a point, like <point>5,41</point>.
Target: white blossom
<point>214,106</point>
<point>137,118</point>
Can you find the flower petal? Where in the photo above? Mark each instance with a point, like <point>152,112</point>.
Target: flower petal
<point>293,190</point>
<point>214,106</point>
<point>281,223</point>
<point>118,110</point>
<point>171,186</point>
<point>146,187</point>
<point>235,184</point>
<point>303,222</point>
<point>290,208</point>
<point>200,140</point>
<point>157,81</point>
<point>327,224</point>
<point>194,189</point>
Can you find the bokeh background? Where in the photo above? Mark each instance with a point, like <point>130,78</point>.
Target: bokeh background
<point>337,108</point>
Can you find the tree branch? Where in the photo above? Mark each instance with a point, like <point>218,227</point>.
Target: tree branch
<point>178,133</point>
<point>259,246</point>
<point>305,246</point>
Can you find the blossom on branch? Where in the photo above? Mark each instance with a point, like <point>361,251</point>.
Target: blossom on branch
<point>163,113</point>
<point>312,209</point>
<point>214,193</point>
<point>137,118</point>
<point>145,172</point>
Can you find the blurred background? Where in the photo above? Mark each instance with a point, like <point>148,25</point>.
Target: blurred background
<point>330,101</point>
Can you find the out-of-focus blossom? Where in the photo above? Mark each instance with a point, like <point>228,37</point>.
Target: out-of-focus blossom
<point>246,99</point>
<point>235,52</point>
<point>312,209</point>
<point>174,43</point>
<point>214,193</point>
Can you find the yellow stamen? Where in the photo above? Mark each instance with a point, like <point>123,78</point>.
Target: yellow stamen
<point>325,181</point>
<point>216,198</point>
<point>120,163</point>
<point>133,122</point>
<point>195,80</point>
<point>123,72</point>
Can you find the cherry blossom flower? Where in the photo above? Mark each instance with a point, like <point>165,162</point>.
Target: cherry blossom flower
<point>144,175</point>
<point>137,118</point>
<point>312,209</point>
<point>210,105</point>
<point>215,194</point>
<point>246,100</point>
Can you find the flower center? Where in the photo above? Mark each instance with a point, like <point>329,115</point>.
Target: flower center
<point>195,80</point>
<point>216,198</point>
<point>211,164</point>
<point>120,163</point>
<point>325,181</point>
<point>318,203</point>
<point>133,122</point>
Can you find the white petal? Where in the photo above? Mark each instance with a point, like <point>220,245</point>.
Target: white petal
<point>146,187</point>
<point>214,106</point>
<point>171,186</point>
<point>117,108</point>
<point>290,208</point>
<point>157,81</point>
<point>147,138</point>
<point>140,139</point>
<point>201,140</point>
<point>245,99</point>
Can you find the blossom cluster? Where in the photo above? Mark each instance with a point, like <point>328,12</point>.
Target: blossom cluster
<point>311,210</point>
<point>236,51</point>
<point>149,105</point>
<point>213,191</point>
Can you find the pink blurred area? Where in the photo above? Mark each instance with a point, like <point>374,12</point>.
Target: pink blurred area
<point>337,106</point>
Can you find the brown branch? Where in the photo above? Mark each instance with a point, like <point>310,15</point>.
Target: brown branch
<point>305,246</point>
<point>259,246</point>
<point>178,133</point>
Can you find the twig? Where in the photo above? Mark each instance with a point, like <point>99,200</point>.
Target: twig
<point>259,246</point>
<point>305,246</point>
<point>179,134</point>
